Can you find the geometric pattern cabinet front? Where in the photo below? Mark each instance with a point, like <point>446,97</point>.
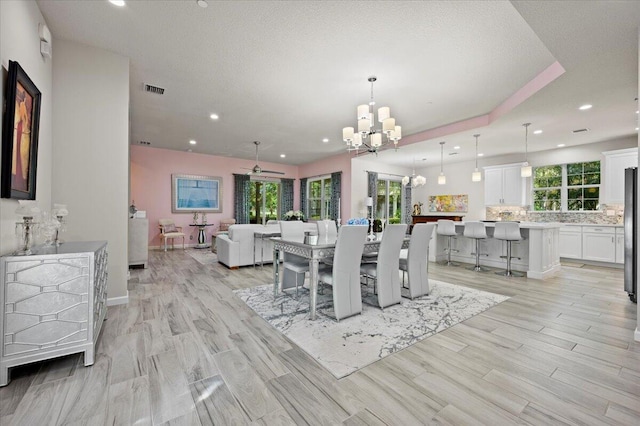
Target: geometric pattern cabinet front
<point>52,303</point>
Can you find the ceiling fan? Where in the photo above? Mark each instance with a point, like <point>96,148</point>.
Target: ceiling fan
<point>257,170</point>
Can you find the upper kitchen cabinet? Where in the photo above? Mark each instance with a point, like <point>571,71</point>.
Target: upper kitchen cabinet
<point>504,186</point>
<point>615,162</point>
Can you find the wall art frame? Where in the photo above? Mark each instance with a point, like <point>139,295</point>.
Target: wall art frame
<point>195,193</point>
<point>20,136</point>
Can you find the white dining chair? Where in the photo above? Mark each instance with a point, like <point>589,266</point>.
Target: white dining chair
<point>384,271</point>
<point>294,267</point>
<point>415,264</point>
<point>344,274</point>
<point>327,230</point>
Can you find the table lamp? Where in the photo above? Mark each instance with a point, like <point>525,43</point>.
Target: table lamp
<point>25,229</point>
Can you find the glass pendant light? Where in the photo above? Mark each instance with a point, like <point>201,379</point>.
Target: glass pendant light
<point>476,176</point>
<point>442,179</point>
<point>525,170</point>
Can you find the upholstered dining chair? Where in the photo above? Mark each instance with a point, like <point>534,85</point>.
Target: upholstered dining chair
<point>344,274</point>
<point>384,271</point>
<point>415,263</point>
<point>327,230</point>
<point>169,230</point>
<point>294,267</point>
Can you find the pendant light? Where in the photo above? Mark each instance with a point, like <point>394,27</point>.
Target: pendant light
<point>476,176</point>
<point>525,170</point>
<point>442,179</point>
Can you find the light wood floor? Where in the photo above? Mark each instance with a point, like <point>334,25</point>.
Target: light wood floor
<point>187,351</point>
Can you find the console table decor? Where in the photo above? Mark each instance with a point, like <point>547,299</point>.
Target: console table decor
<point>202,238</point>
<point>52,303</point>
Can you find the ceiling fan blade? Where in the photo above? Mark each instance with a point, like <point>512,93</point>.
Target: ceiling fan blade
<point>273,172</point>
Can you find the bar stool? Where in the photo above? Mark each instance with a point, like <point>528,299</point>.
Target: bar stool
<point>447,228</point>
<point>477,231</point>
<point>509,232</point>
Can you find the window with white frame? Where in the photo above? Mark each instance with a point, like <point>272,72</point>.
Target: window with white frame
<point>389,201</point>
<point>567,187</point>
<point>319,198</point>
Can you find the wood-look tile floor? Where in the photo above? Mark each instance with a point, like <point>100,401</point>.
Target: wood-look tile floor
<point>186,351</point>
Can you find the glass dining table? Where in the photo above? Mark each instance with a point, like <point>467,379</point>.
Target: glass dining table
<point>315,249</point>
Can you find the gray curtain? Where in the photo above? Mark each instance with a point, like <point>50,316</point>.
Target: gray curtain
<point>336,191</point>
<point>372,191</point>
<point>286,203</point>
<point>407,208</point>
<point>303,197</point>
<point>241,198</point>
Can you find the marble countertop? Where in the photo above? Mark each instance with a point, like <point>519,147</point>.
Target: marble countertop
<point>603,225</point>
<point>525,225</point>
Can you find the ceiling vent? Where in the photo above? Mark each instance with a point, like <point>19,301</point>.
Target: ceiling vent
<point>153,89</point>
<point>145,143</point>
<point>580,130</point>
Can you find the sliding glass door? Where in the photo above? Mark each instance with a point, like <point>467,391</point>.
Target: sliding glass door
<point>264,199</point>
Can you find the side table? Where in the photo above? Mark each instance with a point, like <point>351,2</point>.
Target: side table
<point>202,238</point>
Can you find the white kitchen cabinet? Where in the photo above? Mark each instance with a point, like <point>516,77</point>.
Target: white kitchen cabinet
<point>620,245</point>
<point>504,186</point>
<point>598,243</point>
<point>571,242</point>
<point>613,178</point>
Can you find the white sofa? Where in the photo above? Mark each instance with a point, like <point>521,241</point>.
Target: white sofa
<point>237,247</point>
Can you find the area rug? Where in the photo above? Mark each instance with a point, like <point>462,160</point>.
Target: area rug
<point>203,256</point>
<point>353,343</point>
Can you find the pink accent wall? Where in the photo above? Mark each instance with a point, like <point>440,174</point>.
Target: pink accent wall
<point>337,163</point>
<point>151,170</point>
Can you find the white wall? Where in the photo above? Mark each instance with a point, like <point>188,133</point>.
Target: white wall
<point>359,168</point>
<point>459,174</point>
<point>19,41</point>
<point>91,156</point>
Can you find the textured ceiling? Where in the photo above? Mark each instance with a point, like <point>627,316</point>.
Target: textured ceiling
<point>291,73</point>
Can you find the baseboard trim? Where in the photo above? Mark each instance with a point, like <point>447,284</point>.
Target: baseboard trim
<point>636,335</point>
<point>543,275</point>
<point>123,300</point>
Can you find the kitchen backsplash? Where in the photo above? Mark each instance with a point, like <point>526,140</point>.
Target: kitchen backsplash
<point>610,214</point>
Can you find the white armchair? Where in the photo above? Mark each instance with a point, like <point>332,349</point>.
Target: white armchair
<point>169,230</point>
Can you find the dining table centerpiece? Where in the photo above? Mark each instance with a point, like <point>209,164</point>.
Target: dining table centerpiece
<point>294,215</point>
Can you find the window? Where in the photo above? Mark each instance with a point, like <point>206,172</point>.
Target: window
<point>319,198</point>
<point>264,201</point>
<point>567,187</point>
<point>389,201</point>
<point>547,187</point>
<point>583,186</point>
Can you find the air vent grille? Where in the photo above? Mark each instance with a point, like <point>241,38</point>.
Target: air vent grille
<point>153,89</point>
<point>580,130</point>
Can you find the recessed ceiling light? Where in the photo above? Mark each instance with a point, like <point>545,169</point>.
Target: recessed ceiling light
<point>214,116</point>
<point>325,140</point>
<point>537,132</point>
<point>202,3</point>
<point>119,3</point>
<point>192,142</point>
<point>637,128</point>
<point>283,155</point>
<point>637,111</point>
<point>561,145</point>
<point>456,147</point>
<point>481,155</point>
<point>585,107</point>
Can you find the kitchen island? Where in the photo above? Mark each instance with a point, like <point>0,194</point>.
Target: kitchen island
<point>538,251</point>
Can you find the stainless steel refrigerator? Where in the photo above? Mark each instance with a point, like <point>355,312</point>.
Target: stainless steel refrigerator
<point>631,232</point>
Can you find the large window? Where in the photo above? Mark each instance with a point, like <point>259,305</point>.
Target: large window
<point>264,200</point>
<point>567,187</point>
<point>319,198</point>
<point>389,201</point>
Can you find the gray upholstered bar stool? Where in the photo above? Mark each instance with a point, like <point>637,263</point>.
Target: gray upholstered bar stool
<point>509,232</point>
<point>447,228</point>
<point>477,231</point>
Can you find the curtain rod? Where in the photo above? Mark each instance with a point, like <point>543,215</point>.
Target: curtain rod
<point>323,174</point>
<point>384,173</point>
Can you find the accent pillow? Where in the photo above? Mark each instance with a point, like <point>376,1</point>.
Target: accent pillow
<point>170,228</point>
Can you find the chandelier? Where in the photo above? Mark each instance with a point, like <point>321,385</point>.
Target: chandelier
<point>368,137</point>
<point>415,180</point>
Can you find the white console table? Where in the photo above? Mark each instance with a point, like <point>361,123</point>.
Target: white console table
<point>52,303</point>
